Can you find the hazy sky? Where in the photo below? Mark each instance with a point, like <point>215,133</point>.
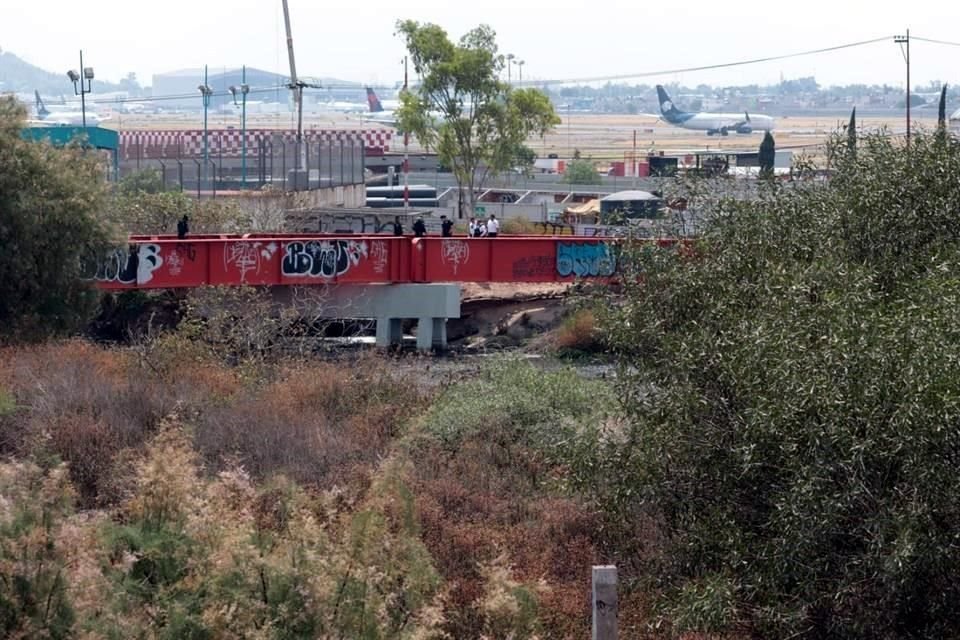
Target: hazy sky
<point>355,41</point>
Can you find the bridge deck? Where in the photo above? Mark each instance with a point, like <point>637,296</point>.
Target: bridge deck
<point>298,259</point>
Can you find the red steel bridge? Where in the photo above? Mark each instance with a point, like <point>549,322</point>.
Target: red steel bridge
<point>163,262</point>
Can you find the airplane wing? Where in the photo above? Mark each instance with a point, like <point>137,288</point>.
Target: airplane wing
<point>740,123</point>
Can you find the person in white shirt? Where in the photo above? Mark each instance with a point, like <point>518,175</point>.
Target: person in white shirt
<point>493,226</point>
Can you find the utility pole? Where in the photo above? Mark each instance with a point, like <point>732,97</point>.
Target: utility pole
<point>296,85</point>
<point>245,88</point>
<point>905,40</point>
<point>406,154</point>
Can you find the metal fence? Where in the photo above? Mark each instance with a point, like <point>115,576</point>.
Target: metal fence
<point>279,163</point>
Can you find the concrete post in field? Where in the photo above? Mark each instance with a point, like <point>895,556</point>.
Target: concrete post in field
<point>604,602</point>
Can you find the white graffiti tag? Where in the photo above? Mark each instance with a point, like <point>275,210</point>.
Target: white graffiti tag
<point>175,263</point>
<point>456,252</point>
<point>378,252</point>
<point>134,266</point>
<point>247,256</point>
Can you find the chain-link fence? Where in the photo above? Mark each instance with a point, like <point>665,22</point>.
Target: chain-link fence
<point>223,165</point>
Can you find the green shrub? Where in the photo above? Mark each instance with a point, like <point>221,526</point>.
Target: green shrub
<point>514,399</point>
<point>793,402</point>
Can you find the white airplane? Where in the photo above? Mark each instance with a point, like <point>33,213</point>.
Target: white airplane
<point>63,118</point>
<point>712,123</point>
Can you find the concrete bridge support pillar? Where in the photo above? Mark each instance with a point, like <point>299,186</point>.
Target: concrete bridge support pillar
<point>431,333</point>
<point>389,332</point>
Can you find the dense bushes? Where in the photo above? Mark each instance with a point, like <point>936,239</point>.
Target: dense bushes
<point>794,409</point>
<point>188,557</point>
<point>513,545</point>
<point>288,505</point>
<point>49,202</point>
<point>321,424</point>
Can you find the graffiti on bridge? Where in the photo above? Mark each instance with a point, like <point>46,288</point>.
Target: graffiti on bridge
<point>134,265</point>
<point>584,259</point>
<point>533,267</point>
<point>322,258</point>
<point>181,253</point>
<point>247,257</point>
<point>380,255</point>
<point>455,252</point>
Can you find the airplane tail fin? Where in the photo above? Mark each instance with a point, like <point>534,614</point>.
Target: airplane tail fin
<point>667,107</point>
<point>373,101</point>
<point>42,110</point>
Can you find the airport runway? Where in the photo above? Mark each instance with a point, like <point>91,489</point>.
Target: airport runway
<point>600,137</point>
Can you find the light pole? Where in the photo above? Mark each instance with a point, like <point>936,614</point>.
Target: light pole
<point>520,64</point>
<point>244,90</point>
<point>510,58</point>
<point>205,92</point>
<point>81,90</point>
<point>901,40</point>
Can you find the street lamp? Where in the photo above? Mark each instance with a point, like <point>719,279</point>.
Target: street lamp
<point>244,89</point>
<point>79,89</point>
<point>520,64</point>
<point>510,58</point>
<point>206,93</point>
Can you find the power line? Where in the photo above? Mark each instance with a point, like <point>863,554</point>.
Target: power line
<point>723,65</point>
<point>641,74</point>
<point>934,41</point>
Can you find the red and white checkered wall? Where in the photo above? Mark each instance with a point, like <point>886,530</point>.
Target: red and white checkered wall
<point>189,143</point>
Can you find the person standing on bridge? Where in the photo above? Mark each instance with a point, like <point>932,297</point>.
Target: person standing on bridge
<point>493,226</point>
<point>397,227</point>
<point>446,227</point>
<point>419,228</point>
<point>183,227</point>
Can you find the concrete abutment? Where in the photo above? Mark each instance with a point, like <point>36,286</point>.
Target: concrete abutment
<point>389,304</point>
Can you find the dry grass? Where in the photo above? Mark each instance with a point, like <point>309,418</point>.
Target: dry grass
<point>264,508</point>
<point>321,424</point>
<point>578,332</point>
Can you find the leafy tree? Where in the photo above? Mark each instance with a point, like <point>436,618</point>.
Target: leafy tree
<point>767,155</point>
<point>462,109</point>
<point>523,158</point>
<point>49,202</point>
<point>791,384</point>
<point>581,172</point>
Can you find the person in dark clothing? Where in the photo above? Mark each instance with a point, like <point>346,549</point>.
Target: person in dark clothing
<point>183,227</point>
<point>446,227</point>
<point>419,228</point>
<point>397,227</point>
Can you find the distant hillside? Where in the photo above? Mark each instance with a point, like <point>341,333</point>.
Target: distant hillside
<point>20,76</point>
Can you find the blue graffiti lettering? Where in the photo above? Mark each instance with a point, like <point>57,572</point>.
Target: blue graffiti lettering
<point>322,258</point>
<point>583,259</point>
